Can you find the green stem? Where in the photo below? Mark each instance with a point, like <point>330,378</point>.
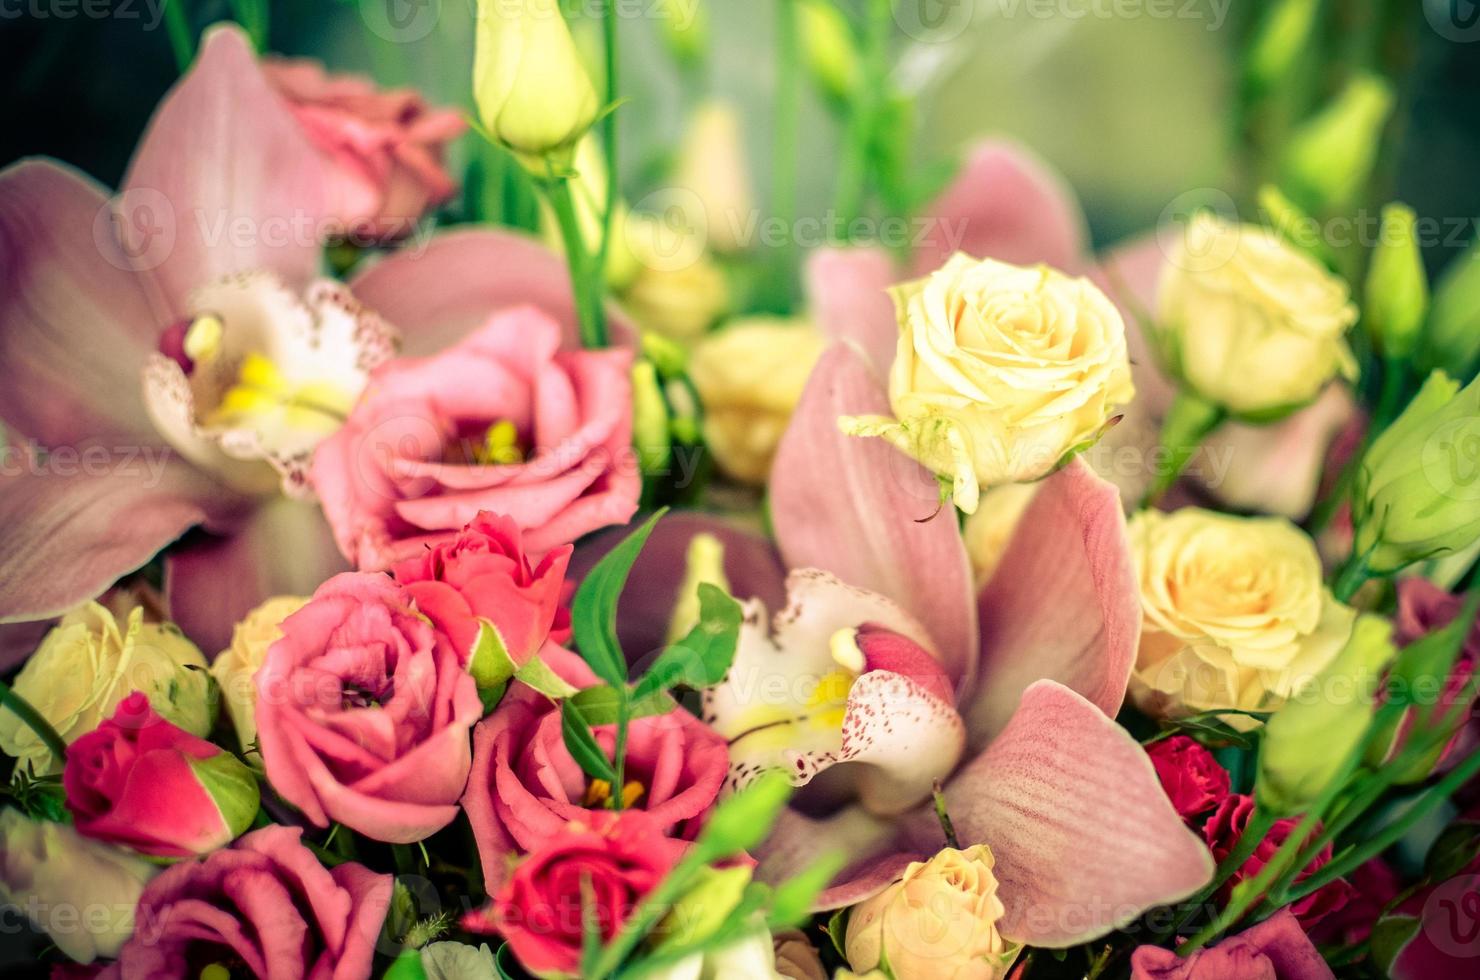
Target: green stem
<point>182,39</point>
<point>1254,832</point>
<point>863,117</point>
<point>788,112</point>
<point>1352,576</point>
<point>34,721</point>
<point>619,756</point>
<point>609,136</point>
<point>586,282</point>
<point>1189,421</point>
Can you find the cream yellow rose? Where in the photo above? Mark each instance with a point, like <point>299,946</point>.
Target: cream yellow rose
<point>939,920</point>
<point>532,92</point>
<point>236,667</point>
<point>1235,614</point>
<point>88,663</point>
<point>750,376</point>
<point>1001,372</point>
<point>1249,322</point>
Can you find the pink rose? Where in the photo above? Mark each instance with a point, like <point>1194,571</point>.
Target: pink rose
<point>140,782</point>
<point>384,149</point>
<point>525,787</point>
<point>1275,949</point>
<point>1222,832</point>
<point>363,712</point>
<point>503,421</point>
<point>540,909</point>
<point>1192,778</point>
<point>484,574</point>
<point>265,904</point>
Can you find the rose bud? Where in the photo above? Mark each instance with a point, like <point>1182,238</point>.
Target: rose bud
<point>1189,774</point>
<point>940,919</point>
<point>140,782</point>
<point>1001,372</point>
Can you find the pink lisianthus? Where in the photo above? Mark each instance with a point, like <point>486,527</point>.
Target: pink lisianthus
<point>525,786</point>
<point>1431,933</point>
<point>541,910</point>
<point>384,148</point>
<point>1192,778</point>
<point>139,781</point>
<point>363,712</point>
<point>1423,607</point>
<point>502,421</point>
<point>265,903</point>
<point>1222,832</point>
<point>1275,949</point>
<point>483,574</point>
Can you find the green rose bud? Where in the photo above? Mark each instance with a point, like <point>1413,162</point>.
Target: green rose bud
<point>1397,287</point>
<point>1452,341</point>
<point>1309,738</point>
<point>1281,36</point>
<point>649,419</point>
<point>1332,154</point>
<point>704,908</point>
<point>829,49</point>
<point>234,788</point>
<point>1418,486</point>
<point>685,30</point>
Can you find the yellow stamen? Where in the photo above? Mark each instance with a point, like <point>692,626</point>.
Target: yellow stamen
<point>500,445</point>
<point>599,793</point>
<point>262,390</point>
<point>215,971</point>
<point>845,651</point>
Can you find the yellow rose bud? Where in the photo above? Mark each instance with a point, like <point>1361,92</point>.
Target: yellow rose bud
<point>678,290</point>
<point>88,663</point>
<point>750,376</point>
<point>1397,287</point>
<point>1330,156</point>
<point>1250,323</point>
<point>1234,614</point>
<point>532,92</point>
<point>940,919</point>
<point>236,667</point>
<point>1418,488</point>
<point>1001,372</point>
<point>712,169</point>
<point>1310,737</point>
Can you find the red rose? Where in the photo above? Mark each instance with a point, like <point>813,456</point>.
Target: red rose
<point>483,574</point>
<point>1189,774</point>
<point>143,783</point>
<point>1222,832</point>
<point>540,910</point>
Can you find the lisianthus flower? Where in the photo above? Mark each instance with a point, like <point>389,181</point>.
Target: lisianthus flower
<point>1430,933</point>
<point>1275,949</point>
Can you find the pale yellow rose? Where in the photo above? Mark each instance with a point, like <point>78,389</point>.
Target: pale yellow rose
<point>236,668</point>
<point>88,663</point>
<point>1249,322</point>
<point>1235,614</point>
<point>989,531</point>
<point>1001,372</point>
<point>750,376</point>
<point>939,920</point>
<point>712,170</point>
<point>532,92</point>
<point>678,290</point>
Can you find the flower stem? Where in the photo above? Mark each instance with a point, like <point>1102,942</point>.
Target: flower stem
<point>586,281</point>
<point>788,111</point>
<point>34,721</point>
<point>1350,579</point>
<point>1189,421</point>
<point>947,827</point>
<point>863,114</point>
<point>182,39</point>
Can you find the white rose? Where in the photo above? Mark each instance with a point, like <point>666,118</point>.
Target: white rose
<point>237,666</point>
<point>1001,372</point>
<point>1250,323</point>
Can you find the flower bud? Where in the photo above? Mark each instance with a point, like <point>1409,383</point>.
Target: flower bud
<point>686,30</point>
<point>1331,155</point>
<point>940,919</point>
<point>702,910</point>
<point>532,92</point>
<point>678,290</point>
<point>649,419</point>
<point>1418,486</point>
<point>1311,736</point>
<point>1452,340</point>
<point>704,564</point>
<point>828,48</point>
<point>1281,36</point>
<point>1397,287</point>
<point>712,169</point>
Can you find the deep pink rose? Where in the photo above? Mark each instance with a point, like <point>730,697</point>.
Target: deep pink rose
<point>1192,778</point>
<point>1222,832</point>
<point>525,786</point>
<point>428,445</point>
<point>384,148</point>
<point>139,781</point>
<point>363,712</point>
<point>1275,949</point>
<point>1374,887</point>
<point>263,907</point>
<point>484,574</point>
<point>539,910</point>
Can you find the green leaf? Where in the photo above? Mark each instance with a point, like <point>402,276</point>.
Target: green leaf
<point>490,665</point>
<point>703,657</point>
<point>600,705</point>
<point>741,822</point>
<point>582,744</point>
<point>791,901</point>
<point>538,675</point>
<point>407,967</point>
<point>594,611</point>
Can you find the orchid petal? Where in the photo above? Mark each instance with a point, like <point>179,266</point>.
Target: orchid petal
<point>75,323</point>
<point>1085,838</point>
<point>19,640</point>
<point>869,514</point>
<point>1063,604</point>
<point>847,291</point>
<point>1008,205</point>
<point>438,292</point>
<point>224,181</point>
<point>867,840</point>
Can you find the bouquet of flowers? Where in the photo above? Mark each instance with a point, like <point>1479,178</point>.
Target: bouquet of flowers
<point>452,578</point>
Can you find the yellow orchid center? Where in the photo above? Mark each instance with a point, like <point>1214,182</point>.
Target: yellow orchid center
<point>263,395</point>
<point>599,793</point>
<point>822,708</point>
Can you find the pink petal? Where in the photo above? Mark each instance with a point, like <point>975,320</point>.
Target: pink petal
<point>1084,837</point>
<point>283,548</point>
<point>75,323</point>
<point>876,861</point>
<point>1062,605</point>
<point>869,514</point>
<point>1008,205</point>
<point>66,538</point>
<point>224,180</point>
<point>438,292</point>
<point>1277,944</point>
<point>19,640</point>
<point>848,299</point>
